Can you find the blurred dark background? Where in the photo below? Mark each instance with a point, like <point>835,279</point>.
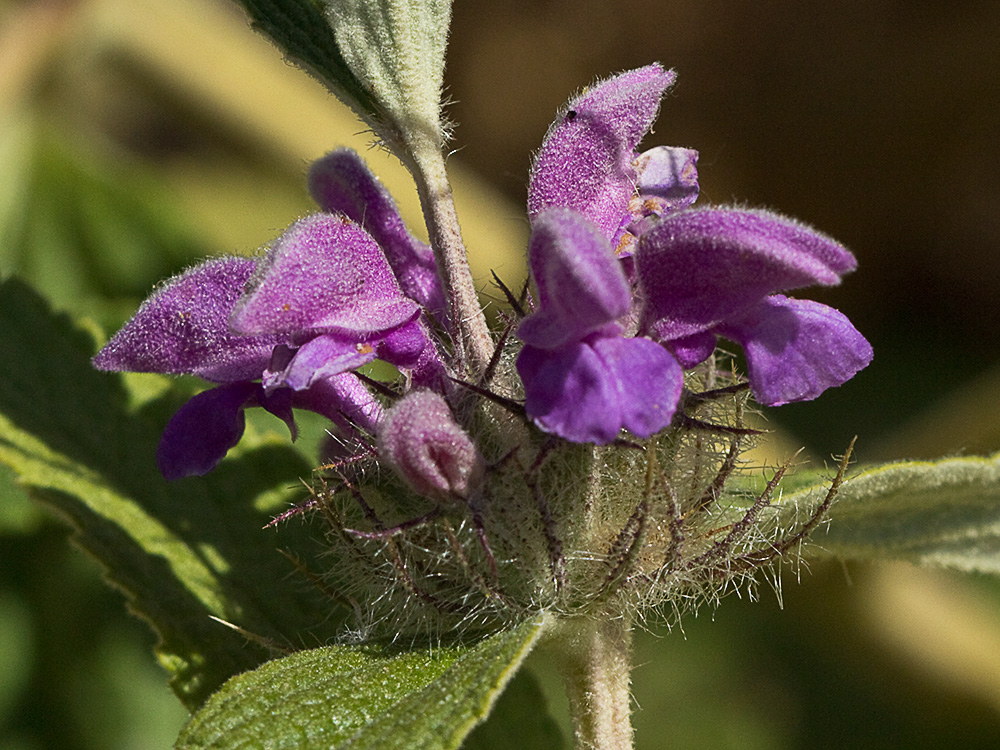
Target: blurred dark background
<point>138,136</point>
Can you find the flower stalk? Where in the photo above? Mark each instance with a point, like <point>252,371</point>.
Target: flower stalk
<point>594,658</point>
<point>470,335</point>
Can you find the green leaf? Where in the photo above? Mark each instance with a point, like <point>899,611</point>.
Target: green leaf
<point>521,705</point>
<point>944,513</point>
<point>301,32</point>
<point>363,697</point>
<point>84,443</point>
<point>397,48</point>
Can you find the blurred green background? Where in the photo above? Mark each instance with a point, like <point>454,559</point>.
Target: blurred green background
<point>136,137</point>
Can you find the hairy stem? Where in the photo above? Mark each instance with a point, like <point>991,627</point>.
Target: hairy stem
<point>594,657</point>
<point>466,322</point>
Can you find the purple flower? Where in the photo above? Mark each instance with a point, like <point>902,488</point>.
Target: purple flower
<point>633,286</point>
<point>583,380</point>
<point>588,160</point>
<point>322,302</point>
<point>700,272</point>
<point>710,271</point>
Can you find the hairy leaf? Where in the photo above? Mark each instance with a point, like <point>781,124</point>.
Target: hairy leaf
<point>301,32</point>
<point>363,696</point>
<point>397,49</point>
<point>944,512</point>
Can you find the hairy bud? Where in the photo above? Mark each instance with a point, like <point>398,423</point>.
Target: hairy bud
<point>421,440</point>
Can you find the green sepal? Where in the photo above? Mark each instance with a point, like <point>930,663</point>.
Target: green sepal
<point>369,696</point>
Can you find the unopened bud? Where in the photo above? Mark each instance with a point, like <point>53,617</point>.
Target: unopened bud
<point>422,441</point>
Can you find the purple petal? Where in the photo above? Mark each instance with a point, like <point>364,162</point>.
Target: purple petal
<point>321,357</point>
<point>411,348</point>
<point>200,434</point>
<point>344,400</point>
<point>796,349</point>
<point>649,382</point>
<point>694,349</point>
<point>699,267</point>
<point>327,274</point>
<point>668,176</point>
<point>405,346</point>
<point>570,393</point>
<point>667,181</point>
<point>340,182</point>
<point>585,161</point>
<point>279,404</point>
<point>587,392</point>
<point>581,287</point>
<point>183,328</point>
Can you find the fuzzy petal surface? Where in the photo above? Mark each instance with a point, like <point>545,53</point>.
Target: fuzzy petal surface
<point>587,391</point>
<point>796,349</point>
<point>581,286</point>
<point>325,274</point>
<point>694,349</point>
<point>649,382</point>
<point>699,267</point>
<point>340,182</point>
<point>412,348</point>
<point>570,393</point>
<point>202,431</point>
<point>183,328</point>
<point>344,400</point>
<point>585,161</point>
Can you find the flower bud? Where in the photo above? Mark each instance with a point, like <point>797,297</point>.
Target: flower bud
<point>422,441</point>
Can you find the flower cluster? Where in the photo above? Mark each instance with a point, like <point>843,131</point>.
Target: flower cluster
<point>632,287</point>
<point>337,290</point>
<point>617,250</point>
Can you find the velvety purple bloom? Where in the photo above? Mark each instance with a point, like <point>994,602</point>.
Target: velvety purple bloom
<point>701,272</point>
<point>583,380</point>
<point>340,182</point>
<point>710,271</point>
<point>327,285</point>
<point>279,333</point>
<point>588,160</point>
<point>183,328</point>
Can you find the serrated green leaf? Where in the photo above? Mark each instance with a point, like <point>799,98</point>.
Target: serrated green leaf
<point>183,552</point>
<point>944,513</point>
<point>363,697</point>
<point>300,31</point>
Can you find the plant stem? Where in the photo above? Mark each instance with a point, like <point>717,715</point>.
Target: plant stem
<point>595,661</point>
<point>470,335</point>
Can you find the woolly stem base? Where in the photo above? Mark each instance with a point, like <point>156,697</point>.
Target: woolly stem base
<point>594,658</point>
